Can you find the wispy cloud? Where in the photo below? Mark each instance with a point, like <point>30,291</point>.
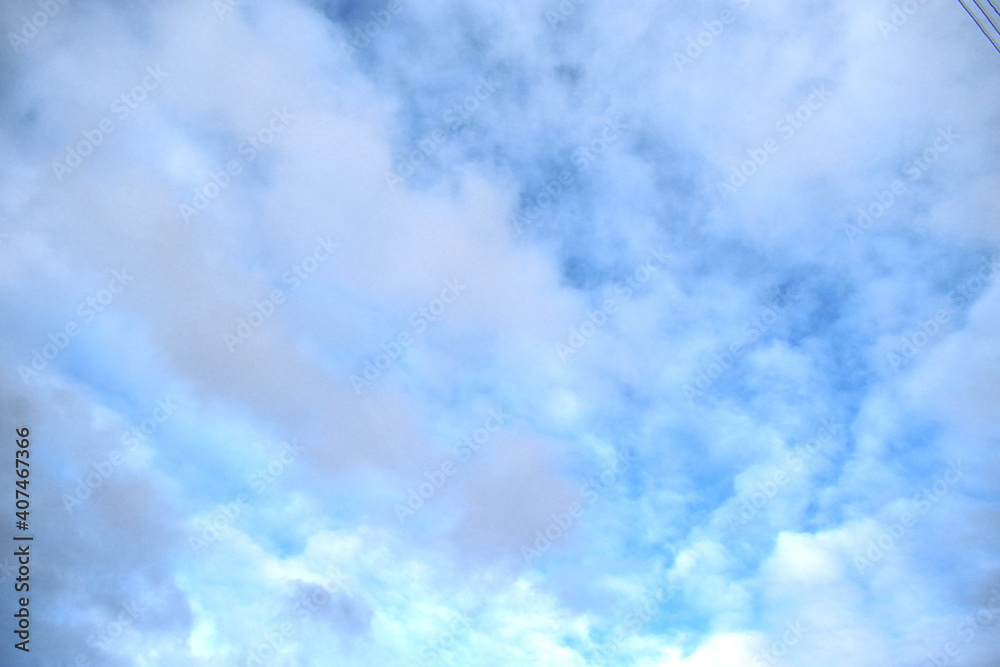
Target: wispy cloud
<point>330,321</point>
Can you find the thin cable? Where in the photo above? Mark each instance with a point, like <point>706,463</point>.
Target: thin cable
<point>980,8</point>
<point>987,15</point>
<point>979,24</point>
<point>993,6</point>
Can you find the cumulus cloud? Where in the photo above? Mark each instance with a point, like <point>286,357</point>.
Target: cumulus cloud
<point>726,270</point>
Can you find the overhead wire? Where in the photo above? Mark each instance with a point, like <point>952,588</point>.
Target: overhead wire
<point>987,15</point>
<point>981,28</point>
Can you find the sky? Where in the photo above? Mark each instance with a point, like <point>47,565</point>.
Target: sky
<point>541,332</point>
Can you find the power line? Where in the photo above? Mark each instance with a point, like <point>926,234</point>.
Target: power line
<point>986,14</point>
<point>983,30</point>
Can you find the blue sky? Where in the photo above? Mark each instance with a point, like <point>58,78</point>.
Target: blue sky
<point>528,333</point>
